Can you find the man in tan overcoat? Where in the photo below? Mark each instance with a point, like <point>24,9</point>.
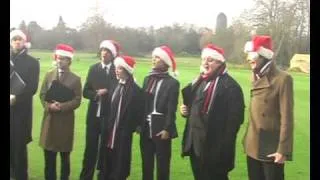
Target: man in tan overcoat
<point>268,141</point>
<point>58,120</point>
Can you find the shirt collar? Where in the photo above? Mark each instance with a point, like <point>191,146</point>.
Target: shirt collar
<point>122,81</point>
<point>103,65</point>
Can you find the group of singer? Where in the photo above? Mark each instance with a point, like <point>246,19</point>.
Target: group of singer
<point>213,106</point>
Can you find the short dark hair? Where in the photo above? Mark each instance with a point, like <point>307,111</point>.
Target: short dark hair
<point>99,52</point>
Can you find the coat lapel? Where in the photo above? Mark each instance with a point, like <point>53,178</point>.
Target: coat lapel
<point>261,83</point>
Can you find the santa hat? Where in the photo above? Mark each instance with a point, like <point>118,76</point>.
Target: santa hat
<point>126,62</point>
<point>261,45</point>
<point>214,52</point>
<point>64,50</point>
<point>248,47</point>
<point>113,46</point>
<point>166,54</point>
<point>19,33</point>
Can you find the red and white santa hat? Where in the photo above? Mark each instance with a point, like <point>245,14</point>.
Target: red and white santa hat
<point>214,52</point>
<point>166,54</point>
<point>113,46</point>
<point>19,33</point>
<point>64,50</point>
<point>127,62</point>
<point>261,45</point>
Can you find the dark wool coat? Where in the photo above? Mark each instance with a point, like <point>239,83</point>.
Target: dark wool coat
<point>225,116</point>
<point>21,112</point>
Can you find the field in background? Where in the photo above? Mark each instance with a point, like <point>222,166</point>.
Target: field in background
<point>188,68</point>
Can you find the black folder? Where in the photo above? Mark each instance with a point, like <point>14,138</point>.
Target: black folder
<point>157,123</point>
<point>59,92</point>
<point>187,95</point>
<point>17,85</point>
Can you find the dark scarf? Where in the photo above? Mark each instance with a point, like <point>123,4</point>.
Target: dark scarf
<point>257,73</point>
<point>210,90</point>
<point>15,55</point>
<point>154,76</point>
<point>127,94</point>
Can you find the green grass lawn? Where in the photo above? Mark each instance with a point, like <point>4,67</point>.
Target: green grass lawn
<point>298,169</point>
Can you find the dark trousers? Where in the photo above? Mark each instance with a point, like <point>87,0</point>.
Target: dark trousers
<point>91,149</point>
<point>18,162</point>
<point>109,171</point>
<point>50,165</point>
<point>258,170</point>
<point>201,172</point>
<point>162,150</point>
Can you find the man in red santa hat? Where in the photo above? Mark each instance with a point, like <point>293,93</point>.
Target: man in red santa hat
<point>268,142</point>
<point>28,68</point>
<point>57,130</point>
<point>159,127</point>
<point>214,108</point>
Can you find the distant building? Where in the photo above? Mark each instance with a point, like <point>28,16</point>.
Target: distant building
<point>221,22</point>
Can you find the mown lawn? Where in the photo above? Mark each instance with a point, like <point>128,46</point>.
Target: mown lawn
<point>188,68</point>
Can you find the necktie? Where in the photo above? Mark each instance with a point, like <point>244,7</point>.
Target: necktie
<point>60,75</point>
<point>106,70</point>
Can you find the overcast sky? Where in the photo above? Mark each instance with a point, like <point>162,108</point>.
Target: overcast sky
<point>132,13</point>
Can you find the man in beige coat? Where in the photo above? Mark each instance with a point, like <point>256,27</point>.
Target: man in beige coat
<point>58,119</point>
<point>269,138</point>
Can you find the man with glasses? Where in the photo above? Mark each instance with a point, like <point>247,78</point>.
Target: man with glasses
<point>214,108</point>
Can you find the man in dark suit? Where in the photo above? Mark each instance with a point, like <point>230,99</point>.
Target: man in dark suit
<point>100,82</point>
<point>21,105</point>
<point>268,142</point>
<point>215,110</point>
<point>159,128</point>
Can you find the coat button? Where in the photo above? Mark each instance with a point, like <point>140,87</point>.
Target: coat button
<point>263,115</point>
<point>265,101</point>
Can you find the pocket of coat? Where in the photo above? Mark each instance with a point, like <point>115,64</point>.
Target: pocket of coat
<point>268,143</point>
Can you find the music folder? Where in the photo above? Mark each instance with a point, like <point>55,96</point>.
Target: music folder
<point>157,123</point>
<point>187,95</point>
<point>59,92</point>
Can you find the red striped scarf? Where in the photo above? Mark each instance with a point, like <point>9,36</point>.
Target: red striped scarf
<point>210,88</point>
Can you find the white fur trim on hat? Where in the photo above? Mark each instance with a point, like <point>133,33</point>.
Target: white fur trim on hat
<point>208,52</point>
<point>163,55</point>
<point>64,53</point>
<point>267,53</point>
<point>119,61</point>
<point>27,45</point>
<point>109,45</point>
<point>248,47</point>
<point>19,33</point>
<point>252,56</point>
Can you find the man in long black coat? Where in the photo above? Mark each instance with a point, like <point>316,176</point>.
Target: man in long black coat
<point>126,111</point>
<point>21,105</point>
<point>100,82</point>
<point>214,107</point>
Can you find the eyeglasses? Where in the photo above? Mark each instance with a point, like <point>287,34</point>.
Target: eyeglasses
<point>211,60</point>
<point>16,38</point>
